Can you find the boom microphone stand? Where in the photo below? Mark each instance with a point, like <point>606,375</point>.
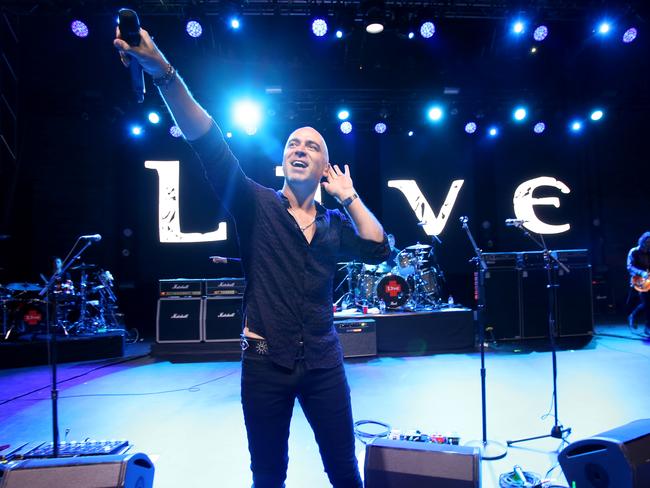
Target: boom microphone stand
<point>490,450</point>
<point>51,334</point>
<point>551,263</point>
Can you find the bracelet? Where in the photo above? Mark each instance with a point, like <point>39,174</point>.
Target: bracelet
<point>349,200</point>
<point>167,78</point>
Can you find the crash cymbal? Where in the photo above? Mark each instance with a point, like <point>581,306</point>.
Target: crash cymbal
<point>83,267</point>
<point>23,287</point>
<point>419,247</point>
<point>345,263</point>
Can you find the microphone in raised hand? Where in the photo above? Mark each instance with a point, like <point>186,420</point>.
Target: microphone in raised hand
<point>129,25</point>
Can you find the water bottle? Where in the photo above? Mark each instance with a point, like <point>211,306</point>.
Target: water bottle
<point>450,301</point>
<point>382,306</point>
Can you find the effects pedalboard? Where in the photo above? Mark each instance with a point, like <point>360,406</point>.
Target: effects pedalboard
<point>417,436</point>
<point>74,448</point>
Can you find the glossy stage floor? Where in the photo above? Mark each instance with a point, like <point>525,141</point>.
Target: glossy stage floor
<point>187,416</point>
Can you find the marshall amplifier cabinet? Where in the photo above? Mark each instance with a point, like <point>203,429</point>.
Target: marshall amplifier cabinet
<point>233,287</point>
<point>358,337</point>
<point>181,287</point>
<point>223,319</point>
<point>500,260</point>
<point>179,319</point>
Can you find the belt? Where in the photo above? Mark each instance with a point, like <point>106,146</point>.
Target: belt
<point>261,347</point>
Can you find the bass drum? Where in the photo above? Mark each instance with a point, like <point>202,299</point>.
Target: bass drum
<point>393,290</point>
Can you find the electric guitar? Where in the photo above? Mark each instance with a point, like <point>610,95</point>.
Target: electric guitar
<point>640,283</point>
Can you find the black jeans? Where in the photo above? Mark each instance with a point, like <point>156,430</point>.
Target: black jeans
<point>268,392</point>
<point>643,304</point>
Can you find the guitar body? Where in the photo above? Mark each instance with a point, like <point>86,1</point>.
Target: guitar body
<point>641,284</point>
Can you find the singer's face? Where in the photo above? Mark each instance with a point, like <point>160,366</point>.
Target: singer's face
<point>305,158</point>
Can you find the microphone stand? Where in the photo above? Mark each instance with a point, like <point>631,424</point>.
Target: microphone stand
<point>51,334</point>
<point>551,263</point>
<point>490,450</point>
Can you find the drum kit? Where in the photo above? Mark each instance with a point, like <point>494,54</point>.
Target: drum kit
<point>85,306</point>
<point>414,283</point>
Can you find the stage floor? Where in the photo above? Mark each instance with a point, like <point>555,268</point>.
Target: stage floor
<point>188,418</point>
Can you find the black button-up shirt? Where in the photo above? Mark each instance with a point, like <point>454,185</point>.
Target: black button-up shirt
<point>289,281</point>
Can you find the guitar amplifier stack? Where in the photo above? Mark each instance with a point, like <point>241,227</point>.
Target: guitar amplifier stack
<point>516,297</point>
<point>199,310</point>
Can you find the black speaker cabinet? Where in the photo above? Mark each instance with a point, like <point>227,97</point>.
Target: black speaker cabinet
<point>223,319</point>
<point>358,337</point>
<point>405,464</point>
<point>534,304</point>
<point>618,458</point>
<point>503,303</point>
<point>575,302</point>
<point>179,320</point>
<point>114,471</point>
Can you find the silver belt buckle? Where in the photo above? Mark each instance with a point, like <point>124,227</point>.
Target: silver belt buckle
<point>243,343</point>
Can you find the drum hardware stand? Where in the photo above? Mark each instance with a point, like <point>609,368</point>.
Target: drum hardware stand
<point>51,334</point>
<point>490,450</point>
<point>348,279</point>
<point>551,263</point>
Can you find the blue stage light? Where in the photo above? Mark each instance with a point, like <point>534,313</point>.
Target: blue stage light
<point>540,33</point>
<point>136,130</point>
<point>79,28</point>
<point>346,127</point>
<point>470,127</point>
<point>248,115</point>
<point>604,28</point>
<point>339,34</point>
<point>410,133</point>
<point>194,28</point>
<point>427,29</point>
<point>518,27</point>
<point>343,114</point>
<point>596,115</point>
<point>629,35</point>
<point>153,117</point>
<point>319,27</point>
<point>576,126</point>
<point>539,127</point>
<point>411,35</point>
<point>519,114</point>
<point>435,113</point>
<point>175,131</point>
<point>235,23</point>
<point>380,127</point>
<point>493,131</point>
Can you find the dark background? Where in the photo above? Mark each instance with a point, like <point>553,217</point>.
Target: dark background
<point>79,172</point>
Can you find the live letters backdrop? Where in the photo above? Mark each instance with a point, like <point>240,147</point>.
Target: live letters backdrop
<point>80,171</point>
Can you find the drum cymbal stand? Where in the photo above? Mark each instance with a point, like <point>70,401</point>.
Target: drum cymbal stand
<point>489,449</point>
<point>47,292</point>
<point>348,297</point>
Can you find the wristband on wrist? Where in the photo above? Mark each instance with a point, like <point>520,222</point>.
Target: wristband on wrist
<point>349,200</point>
<point>166,78</point>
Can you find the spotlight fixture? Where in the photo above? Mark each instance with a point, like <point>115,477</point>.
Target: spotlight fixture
<point>343,114</point>
<point>629,35</point>
<point>519,114</point>
<point>410,133</point>
<point>427,29</point>
<point>540,33</point>
<point>136,130</point>
<point>175,131</point>
<point>247,114</point>
<point>235,23</point>
<point>194,28</point>
<point>539,127</point>
<point>339,34</point>
<point>435,113</point>
<point>576,126</point>
<point>319,26</point>
<point>470,127</point>
<point>375,17</point>
<point>346,127</point>
<point>380,127</point>
<point>518,27</point>
<point>596,115</point>
<point>79,28</point>
<point>493,131</point>
<point>153,117</point>
<point>604,28</point>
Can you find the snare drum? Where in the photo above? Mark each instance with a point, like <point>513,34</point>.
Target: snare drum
<point>365,289</point>
<point>393,290</point>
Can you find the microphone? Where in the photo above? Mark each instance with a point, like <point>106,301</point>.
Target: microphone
<point>91,238</point>
<point>224,260</point>
<point>130,32</point>
<point>515,222</point>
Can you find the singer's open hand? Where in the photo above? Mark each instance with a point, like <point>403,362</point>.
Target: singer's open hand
<point>147,53</point>
<point>339,183</point>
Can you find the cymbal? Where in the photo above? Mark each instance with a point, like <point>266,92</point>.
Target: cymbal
<point>23,287</point>
<point>418,247</point>
<point>345,263</point>
<point>83,267</point>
